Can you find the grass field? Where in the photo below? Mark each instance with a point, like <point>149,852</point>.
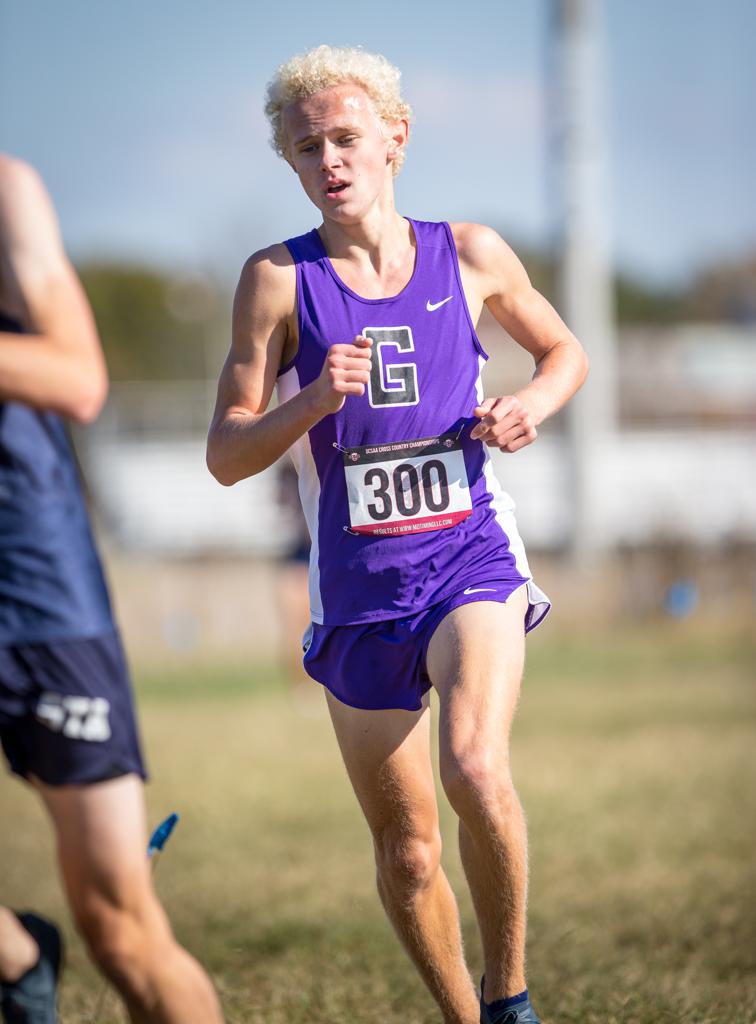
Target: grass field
<point>634,758</point>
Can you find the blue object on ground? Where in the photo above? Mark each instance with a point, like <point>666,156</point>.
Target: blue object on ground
<point>681,599</point>
<point>161,835</point>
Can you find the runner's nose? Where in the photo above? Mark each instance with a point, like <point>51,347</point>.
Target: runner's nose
<point>329,156</point>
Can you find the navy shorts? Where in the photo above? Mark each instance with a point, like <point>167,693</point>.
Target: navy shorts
<point>67,711</point>
<point>380,666</point>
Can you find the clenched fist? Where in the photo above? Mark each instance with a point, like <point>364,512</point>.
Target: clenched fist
<point>346,371</point>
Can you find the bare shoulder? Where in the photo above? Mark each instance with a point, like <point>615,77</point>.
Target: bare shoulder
<point>16,173</point>
<point>21,187</point>
<point>268,276</point>
<point>483,253</point>
<point>31,249</point>
<point>28,223</point>
<point>477,245</point>
<point>264,313</point>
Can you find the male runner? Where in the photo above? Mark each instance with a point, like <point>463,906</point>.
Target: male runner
<point>66,717</point>
<point>418,577</point>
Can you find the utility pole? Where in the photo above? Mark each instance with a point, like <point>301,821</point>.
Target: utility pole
<point>586,299</point>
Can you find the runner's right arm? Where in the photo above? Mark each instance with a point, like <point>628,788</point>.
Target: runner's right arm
<point>58,364</point>
<point>244,437</point>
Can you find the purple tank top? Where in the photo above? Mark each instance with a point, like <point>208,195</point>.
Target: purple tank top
<point>402,505</point>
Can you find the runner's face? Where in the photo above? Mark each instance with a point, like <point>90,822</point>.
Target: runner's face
<point>339,152</point>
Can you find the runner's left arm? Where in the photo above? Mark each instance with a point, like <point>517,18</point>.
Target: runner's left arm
<point>492,274</point>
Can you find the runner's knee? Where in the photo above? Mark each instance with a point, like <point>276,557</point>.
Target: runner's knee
<point>477,779</point>
<point>125,944</point>
<point>407,863</point>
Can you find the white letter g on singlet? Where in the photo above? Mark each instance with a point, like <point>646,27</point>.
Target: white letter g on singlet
<point>391,383</point>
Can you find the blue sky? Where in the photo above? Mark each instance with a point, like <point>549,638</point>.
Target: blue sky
<point>145,119</point>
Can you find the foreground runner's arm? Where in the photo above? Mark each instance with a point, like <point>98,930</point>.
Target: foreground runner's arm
<point>59,366</point>
<point>244,438</point>
<point>493,275</point>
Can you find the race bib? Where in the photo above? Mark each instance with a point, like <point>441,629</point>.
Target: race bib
<point>407,486</point>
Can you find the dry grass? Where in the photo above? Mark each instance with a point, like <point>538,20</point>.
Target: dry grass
<point>634,759</point>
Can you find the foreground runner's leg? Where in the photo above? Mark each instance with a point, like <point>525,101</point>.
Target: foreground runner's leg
<point>19,951</point>
<point>102,842</point>
<point>30,955</point>
<point>475,660</point>
<point>387,756</point>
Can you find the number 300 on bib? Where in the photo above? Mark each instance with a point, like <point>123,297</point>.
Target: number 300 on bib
<point>407,486</point>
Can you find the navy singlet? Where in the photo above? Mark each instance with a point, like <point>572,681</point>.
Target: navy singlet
<point>51,582</point>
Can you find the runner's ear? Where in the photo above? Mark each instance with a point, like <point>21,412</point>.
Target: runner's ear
<point>399,134</point>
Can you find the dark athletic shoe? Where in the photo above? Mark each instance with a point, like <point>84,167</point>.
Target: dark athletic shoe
<point>32,999</point>
<point>522,1013</point>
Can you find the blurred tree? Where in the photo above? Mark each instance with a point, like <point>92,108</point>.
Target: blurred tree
<point>639,303</point>
<point>154,326</point>
<point>726,291</point>
<point>541,270</point>
<point>635,302</point>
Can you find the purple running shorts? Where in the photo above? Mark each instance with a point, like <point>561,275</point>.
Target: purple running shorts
<point>380,666</point>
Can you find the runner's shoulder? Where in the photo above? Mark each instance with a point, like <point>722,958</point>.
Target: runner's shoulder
<point>15,171</point>
<point>478,244</point>
<point>482,251</point>
<point>21,189</point>
<point>269,277</point>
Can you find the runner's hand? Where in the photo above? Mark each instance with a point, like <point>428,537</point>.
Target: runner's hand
<point>505,423</point>
<point>346,371</point>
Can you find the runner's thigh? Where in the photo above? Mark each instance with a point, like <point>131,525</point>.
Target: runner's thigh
<point>387,757</point>
<point>475,660</point>
<point>102,842</point>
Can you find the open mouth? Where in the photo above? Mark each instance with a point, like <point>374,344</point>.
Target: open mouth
<point>333,190</point>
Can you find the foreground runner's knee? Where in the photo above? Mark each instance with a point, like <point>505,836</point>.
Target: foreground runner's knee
<point>127,944</point>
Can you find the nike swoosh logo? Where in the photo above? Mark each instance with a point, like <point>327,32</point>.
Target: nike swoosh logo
<point>480,590</point>
<point>430,306</point>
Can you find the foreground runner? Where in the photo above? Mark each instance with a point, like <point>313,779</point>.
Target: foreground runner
<point>418,577</point>
<point>66,716</point>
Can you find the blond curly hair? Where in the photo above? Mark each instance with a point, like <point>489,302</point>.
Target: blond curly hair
<point>326,66</point>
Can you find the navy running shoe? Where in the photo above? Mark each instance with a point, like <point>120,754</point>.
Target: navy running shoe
<point>520,1013</point>
<point>32,999</point>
